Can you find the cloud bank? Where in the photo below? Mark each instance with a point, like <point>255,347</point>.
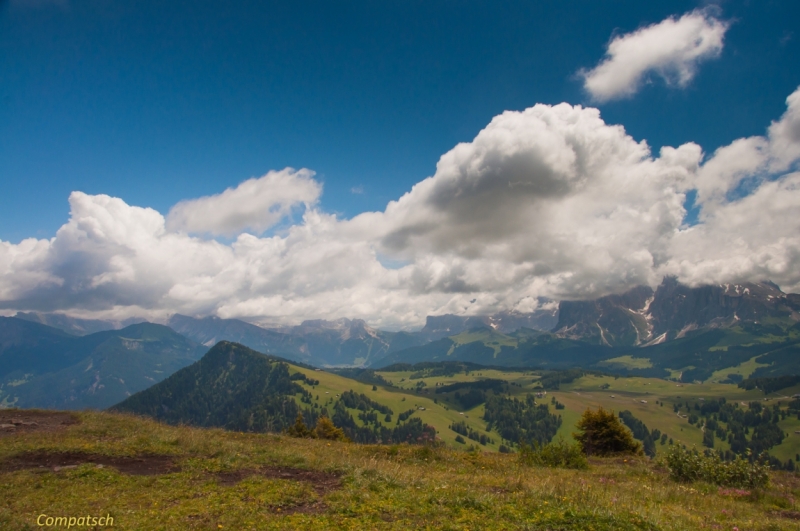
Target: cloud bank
<point>672,49</point>
<point>547,202</point>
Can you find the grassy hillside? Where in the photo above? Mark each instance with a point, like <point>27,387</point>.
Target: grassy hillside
<point>650,400</point>
<point>770,348</point>
<point>239,389</point>
<point>147,475</point>
<point>434,413</point>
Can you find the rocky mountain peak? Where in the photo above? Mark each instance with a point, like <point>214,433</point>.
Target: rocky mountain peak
<point>642,316</point>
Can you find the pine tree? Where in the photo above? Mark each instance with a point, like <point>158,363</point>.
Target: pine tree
<point>326,429</point>
<point>299,429</point>
<point>602,434</point>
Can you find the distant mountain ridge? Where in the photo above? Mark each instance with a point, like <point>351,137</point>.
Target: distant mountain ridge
<point>641,316</point>
<point>208,331</point>
<point>75,325</point>
<point>676,331</point>
<point>44,367</point>
<point>439,326</point>
<point>347,342</point>
<point>344,342</point>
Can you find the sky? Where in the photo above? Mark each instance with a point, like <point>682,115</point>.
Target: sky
<point>281,161</point>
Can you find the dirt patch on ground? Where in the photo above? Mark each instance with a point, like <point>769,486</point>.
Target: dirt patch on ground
<point>321,482</point>
<point>13,421</point>
<point>143,465</point>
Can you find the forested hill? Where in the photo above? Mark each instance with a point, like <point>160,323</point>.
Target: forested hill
<point>239,389</point>
<point>232,387</point>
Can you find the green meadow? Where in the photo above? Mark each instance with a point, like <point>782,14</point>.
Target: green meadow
<point>213,479</point>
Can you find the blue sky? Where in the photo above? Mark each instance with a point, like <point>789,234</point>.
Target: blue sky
<point>157,104</point>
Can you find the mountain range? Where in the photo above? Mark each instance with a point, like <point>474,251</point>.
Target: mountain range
<point>723,333</point>
<point>44,367</point>
<point>344,342</point>
<point>642,316</point>
<point>75,325</point>
<point>714,332</point>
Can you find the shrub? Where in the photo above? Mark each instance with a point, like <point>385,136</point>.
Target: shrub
<point>326,429</point>
<point>603,434</point>
<point>558,454</point>
<point>688,465</point>
<point>299,429</point>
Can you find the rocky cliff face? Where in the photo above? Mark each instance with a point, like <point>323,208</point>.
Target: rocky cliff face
<point>644,317</point>
<point>613,320</point>
<point>678,309</point>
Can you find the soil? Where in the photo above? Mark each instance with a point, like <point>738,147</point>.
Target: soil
<point>142,465</point>
<point>13,421</point>
<point>322,483</point>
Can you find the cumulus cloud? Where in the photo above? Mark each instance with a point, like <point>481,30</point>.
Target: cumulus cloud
<point>754,238</point>
<point>547,202</point>
<point>255,205</point>
<point>551,193</point>
<point>784,135</point>
<point>749,161</point>
<point>672,49</point>
<point>750,211</point>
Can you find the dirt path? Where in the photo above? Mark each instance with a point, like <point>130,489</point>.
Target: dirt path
<point>13,421</point>
<point>142,465</point>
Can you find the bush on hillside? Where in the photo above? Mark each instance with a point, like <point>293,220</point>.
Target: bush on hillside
<point>299,429</point>
<point>603,434</point>
<point>689,465</point>
<point>557,454</point>
<point>325,429</point>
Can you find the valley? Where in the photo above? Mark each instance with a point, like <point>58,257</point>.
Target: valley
<point>482,382</point>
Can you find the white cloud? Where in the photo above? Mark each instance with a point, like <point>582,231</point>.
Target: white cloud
<point>754,238</point>
<point>547,202</point>
<point>672,49</point>
<point>753,234</point>
<point>551,193</point>
<point>748,161</point>
<point>255,205</point>
<point>784,136</point>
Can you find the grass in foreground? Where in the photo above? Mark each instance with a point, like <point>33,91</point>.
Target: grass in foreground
<point>374,487</point>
